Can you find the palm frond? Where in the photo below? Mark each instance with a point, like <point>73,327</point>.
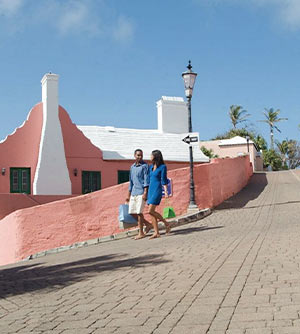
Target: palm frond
<point>277,129</point>
<point>280,119</point>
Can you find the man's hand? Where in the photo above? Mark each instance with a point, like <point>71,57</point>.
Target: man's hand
<point>127,200</point>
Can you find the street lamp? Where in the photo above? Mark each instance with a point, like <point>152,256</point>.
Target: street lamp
<point>247,138</point>
<point>189,78</point>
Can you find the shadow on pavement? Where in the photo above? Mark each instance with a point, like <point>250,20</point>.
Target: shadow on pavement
<point>254,188</point>
<point>194,229</point>
<point>34,277</point>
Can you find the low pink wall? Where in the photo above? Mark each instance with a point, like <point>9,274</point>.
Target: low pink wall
<point>12,202</point>
<point>28,231</point>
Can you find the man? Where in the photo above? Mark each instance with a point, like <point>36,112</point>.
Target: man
<point>138,191</point>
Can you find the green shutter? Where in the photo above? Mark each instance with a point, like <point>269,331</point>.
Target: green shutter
<point>123,176</point>
<point>20,180</point>
<point>91,181</point>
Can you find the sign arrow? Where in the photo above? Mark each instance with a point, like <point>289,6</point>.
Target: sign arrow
<point>190,139</point>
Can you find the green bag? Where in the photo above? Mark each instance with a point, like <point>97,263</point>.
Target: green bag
<point>168,211</point>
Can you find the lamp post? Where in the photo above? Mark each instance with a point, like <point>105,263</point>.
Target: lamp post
<point>189,78</point>
<point>247,138</point>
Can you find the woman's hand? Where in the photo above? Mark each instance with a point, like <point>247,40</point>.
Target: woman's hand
<point>166,191</point>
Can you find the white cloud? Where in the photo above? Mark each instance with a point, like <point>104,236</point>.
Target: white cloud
<point>10,7</point>
<point>123,30</point>
<point>90,18</point>
<point>75,16</point>
<point>287,11</point>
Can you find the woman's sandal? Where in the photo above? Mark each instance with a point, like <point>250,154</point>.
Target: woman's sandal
<point>138,237</point>
<point>168,229</point>
<point>154,236</point>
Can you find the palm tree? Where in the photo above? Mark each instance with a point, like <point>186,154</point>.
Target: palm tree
<point>237,115</point>
<point>271,119</point>
<point>260,142</point>
<point>283,148</point>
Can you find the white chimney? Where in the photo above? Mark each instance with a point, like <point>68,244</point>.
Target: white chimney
<point>172,115</point>
<point>52,175</point>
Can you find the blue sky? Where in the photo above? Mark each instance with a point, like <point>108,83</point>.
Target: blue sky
<point>116,58</point>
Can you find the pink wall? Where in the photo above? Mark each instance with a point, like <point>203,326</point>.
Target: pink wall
<point>233,151</point>
<point>21,149</point>
<point>12,202</point>
<point>64,222</point>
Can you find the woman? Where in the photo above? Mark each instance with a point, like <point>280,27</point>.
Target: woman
<point>158,177</point>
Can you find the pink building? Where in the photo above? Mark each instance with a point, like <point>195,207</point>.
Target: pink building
<point>234,147</point>
<point>49,155</point>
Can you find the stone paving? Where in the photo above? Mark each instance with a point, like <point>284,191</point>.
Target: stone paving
<point>234,272</point>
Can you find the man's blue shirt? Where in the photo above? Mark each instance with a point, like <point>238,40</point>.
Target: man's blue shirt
<point>139,178</point>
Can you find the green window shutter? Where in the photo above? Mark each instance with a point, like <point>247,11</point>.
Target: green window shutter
<point>20,180</point>
<point>91,181</point>
<point>123,176</point>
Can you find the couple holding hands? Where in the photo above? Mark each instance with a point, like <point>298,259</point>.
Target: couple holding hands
<point>145,185</point>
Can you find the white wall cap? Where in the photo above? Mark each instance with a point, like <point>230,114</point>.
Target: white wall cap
<point>237,140</point>
<point>172,98</point>
<point>49,76</point>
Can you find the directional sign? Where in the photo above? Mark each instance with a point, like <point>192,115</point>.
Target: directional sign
<point>191,138</point>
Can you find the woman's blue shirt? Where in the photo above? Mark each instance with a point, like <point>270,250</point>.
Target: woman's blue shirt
<point>158,177</point>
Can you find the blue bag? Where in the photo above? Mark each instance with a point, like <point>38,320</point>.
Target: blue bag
<point>124,216</point>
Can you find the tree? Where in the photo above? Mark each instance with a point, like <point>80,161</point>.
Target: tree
<point>289,151</point>
<point>260,142</point>
<point>272,159</point>
<point>271,119</point>
<point>293,154</point>
<point>235,132</point>
<point>283,149</point>
<point>209,152</point>
<point>237,115</point>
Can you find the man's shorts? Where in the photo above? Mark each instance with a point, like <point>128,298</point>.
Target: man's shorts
<point>136,204</point>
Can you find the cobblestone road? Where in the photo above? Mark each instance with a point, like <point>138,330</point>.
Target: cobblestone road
<point>236,271</point>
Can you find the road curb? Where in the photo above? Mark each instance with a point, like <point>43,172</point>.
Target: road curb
<point>182,220</point>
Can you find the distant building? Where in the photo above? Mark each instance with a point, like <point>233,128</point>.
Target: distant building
<point>234,147</point>
<point>49,155</point>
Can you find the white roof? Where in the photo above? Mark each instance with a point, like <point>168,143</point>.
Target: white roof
<point>237,140</point>
<point>120,143</point>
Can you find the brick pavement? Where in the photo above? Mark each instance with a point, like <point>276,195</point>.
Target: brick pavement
<point>234,272</point>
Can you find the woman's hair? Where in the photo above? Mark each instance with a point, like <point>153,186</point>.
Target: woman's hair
<point>157,158</point>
